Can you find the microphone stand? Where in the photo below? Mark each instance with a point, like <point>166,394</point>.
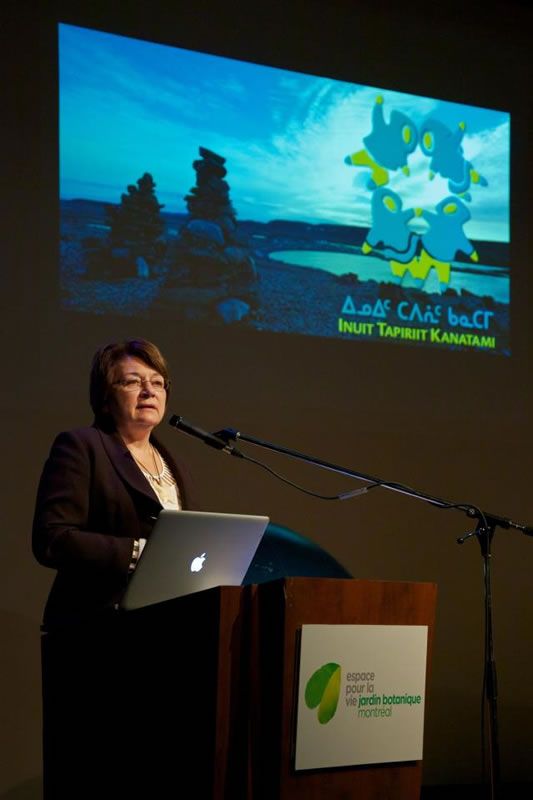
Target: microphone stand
<point>484,533</point>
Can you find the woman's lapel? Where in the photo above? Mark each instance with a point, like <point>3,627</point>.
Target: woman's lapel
<point>125,465</point>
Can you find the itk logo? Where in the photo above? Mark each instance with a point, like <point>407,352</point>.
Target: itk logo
<point>198,563</point>
<point>322,690</point>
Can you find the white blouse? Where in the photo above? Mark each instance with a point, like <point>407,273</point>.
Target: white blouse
<point>164,486</point>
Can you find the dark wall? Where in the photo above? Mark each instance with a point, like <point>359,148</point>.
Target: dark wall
<point>453,424</point>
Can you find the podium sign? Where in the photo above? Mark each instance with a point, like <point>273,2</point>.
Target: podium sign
<point>361,693</point>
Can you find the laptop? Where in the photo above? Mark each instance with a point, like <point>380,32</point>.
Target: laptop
<point>189,551</point>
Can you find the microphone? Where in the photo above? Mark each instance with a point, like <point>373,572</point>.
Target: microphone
<point>207,438</point>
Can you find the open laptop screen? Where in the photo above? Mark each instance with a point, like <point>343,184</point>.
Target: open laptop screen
<point>189,551</point>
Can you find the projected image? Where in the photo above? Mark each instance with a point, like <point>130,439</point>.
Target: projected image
<point>205,189</point>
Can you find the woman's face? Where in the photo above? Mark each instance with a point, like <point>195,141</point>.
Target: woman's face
<point>137,397</point>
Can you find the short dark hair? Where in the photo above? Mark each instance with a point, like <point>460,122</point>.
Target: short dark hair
<point>103,365</point>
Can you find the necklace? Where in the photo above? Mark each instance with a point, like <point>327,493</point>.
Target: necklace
<point>158,475</point>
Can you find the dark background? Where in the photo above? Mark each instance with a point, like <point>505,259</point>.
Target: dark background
<point>453,424</point>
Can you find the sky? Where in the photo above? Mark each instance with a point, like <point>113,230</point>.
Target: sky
<point>128,107</point>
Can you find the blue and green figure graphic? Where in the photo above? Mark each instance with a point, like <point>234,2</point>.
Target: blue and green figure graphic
<point>445,151</point>
<point>322,690</point>
<point>423,251</point>
<point>387,146</point>
<point>390,227</point>
<point>419,254</point>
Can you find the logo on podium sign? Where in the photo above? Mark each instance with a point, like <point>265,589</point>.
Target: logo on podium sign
<point>322,690</point>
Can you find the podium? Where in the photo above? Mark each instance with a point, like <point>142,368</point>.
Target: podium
<point>199,691</point>
<point>279,610</point>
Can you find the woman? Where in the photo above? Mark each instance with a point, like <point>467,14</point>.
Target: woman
<point>103,486</point>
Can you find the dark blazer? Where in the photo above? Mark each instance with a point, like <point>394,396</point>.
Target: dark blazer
<point>92,502</point>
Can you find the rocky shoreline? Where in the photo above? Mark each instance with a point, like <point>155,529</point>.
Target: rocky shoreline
<point>302,300</point>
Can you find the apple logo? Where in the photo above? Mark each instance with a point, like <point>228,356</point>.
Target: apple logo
<point>197,563</point>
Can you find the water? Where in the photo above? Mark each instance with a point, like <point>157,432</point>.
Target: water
<point>491,282</point>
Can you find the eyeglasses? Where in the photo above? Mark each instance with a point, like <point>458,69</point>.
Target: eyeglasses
<point>136,383</point>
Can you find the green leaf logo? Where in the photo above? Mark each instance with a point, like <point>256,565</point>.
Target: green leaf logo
<point>322,690</point>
